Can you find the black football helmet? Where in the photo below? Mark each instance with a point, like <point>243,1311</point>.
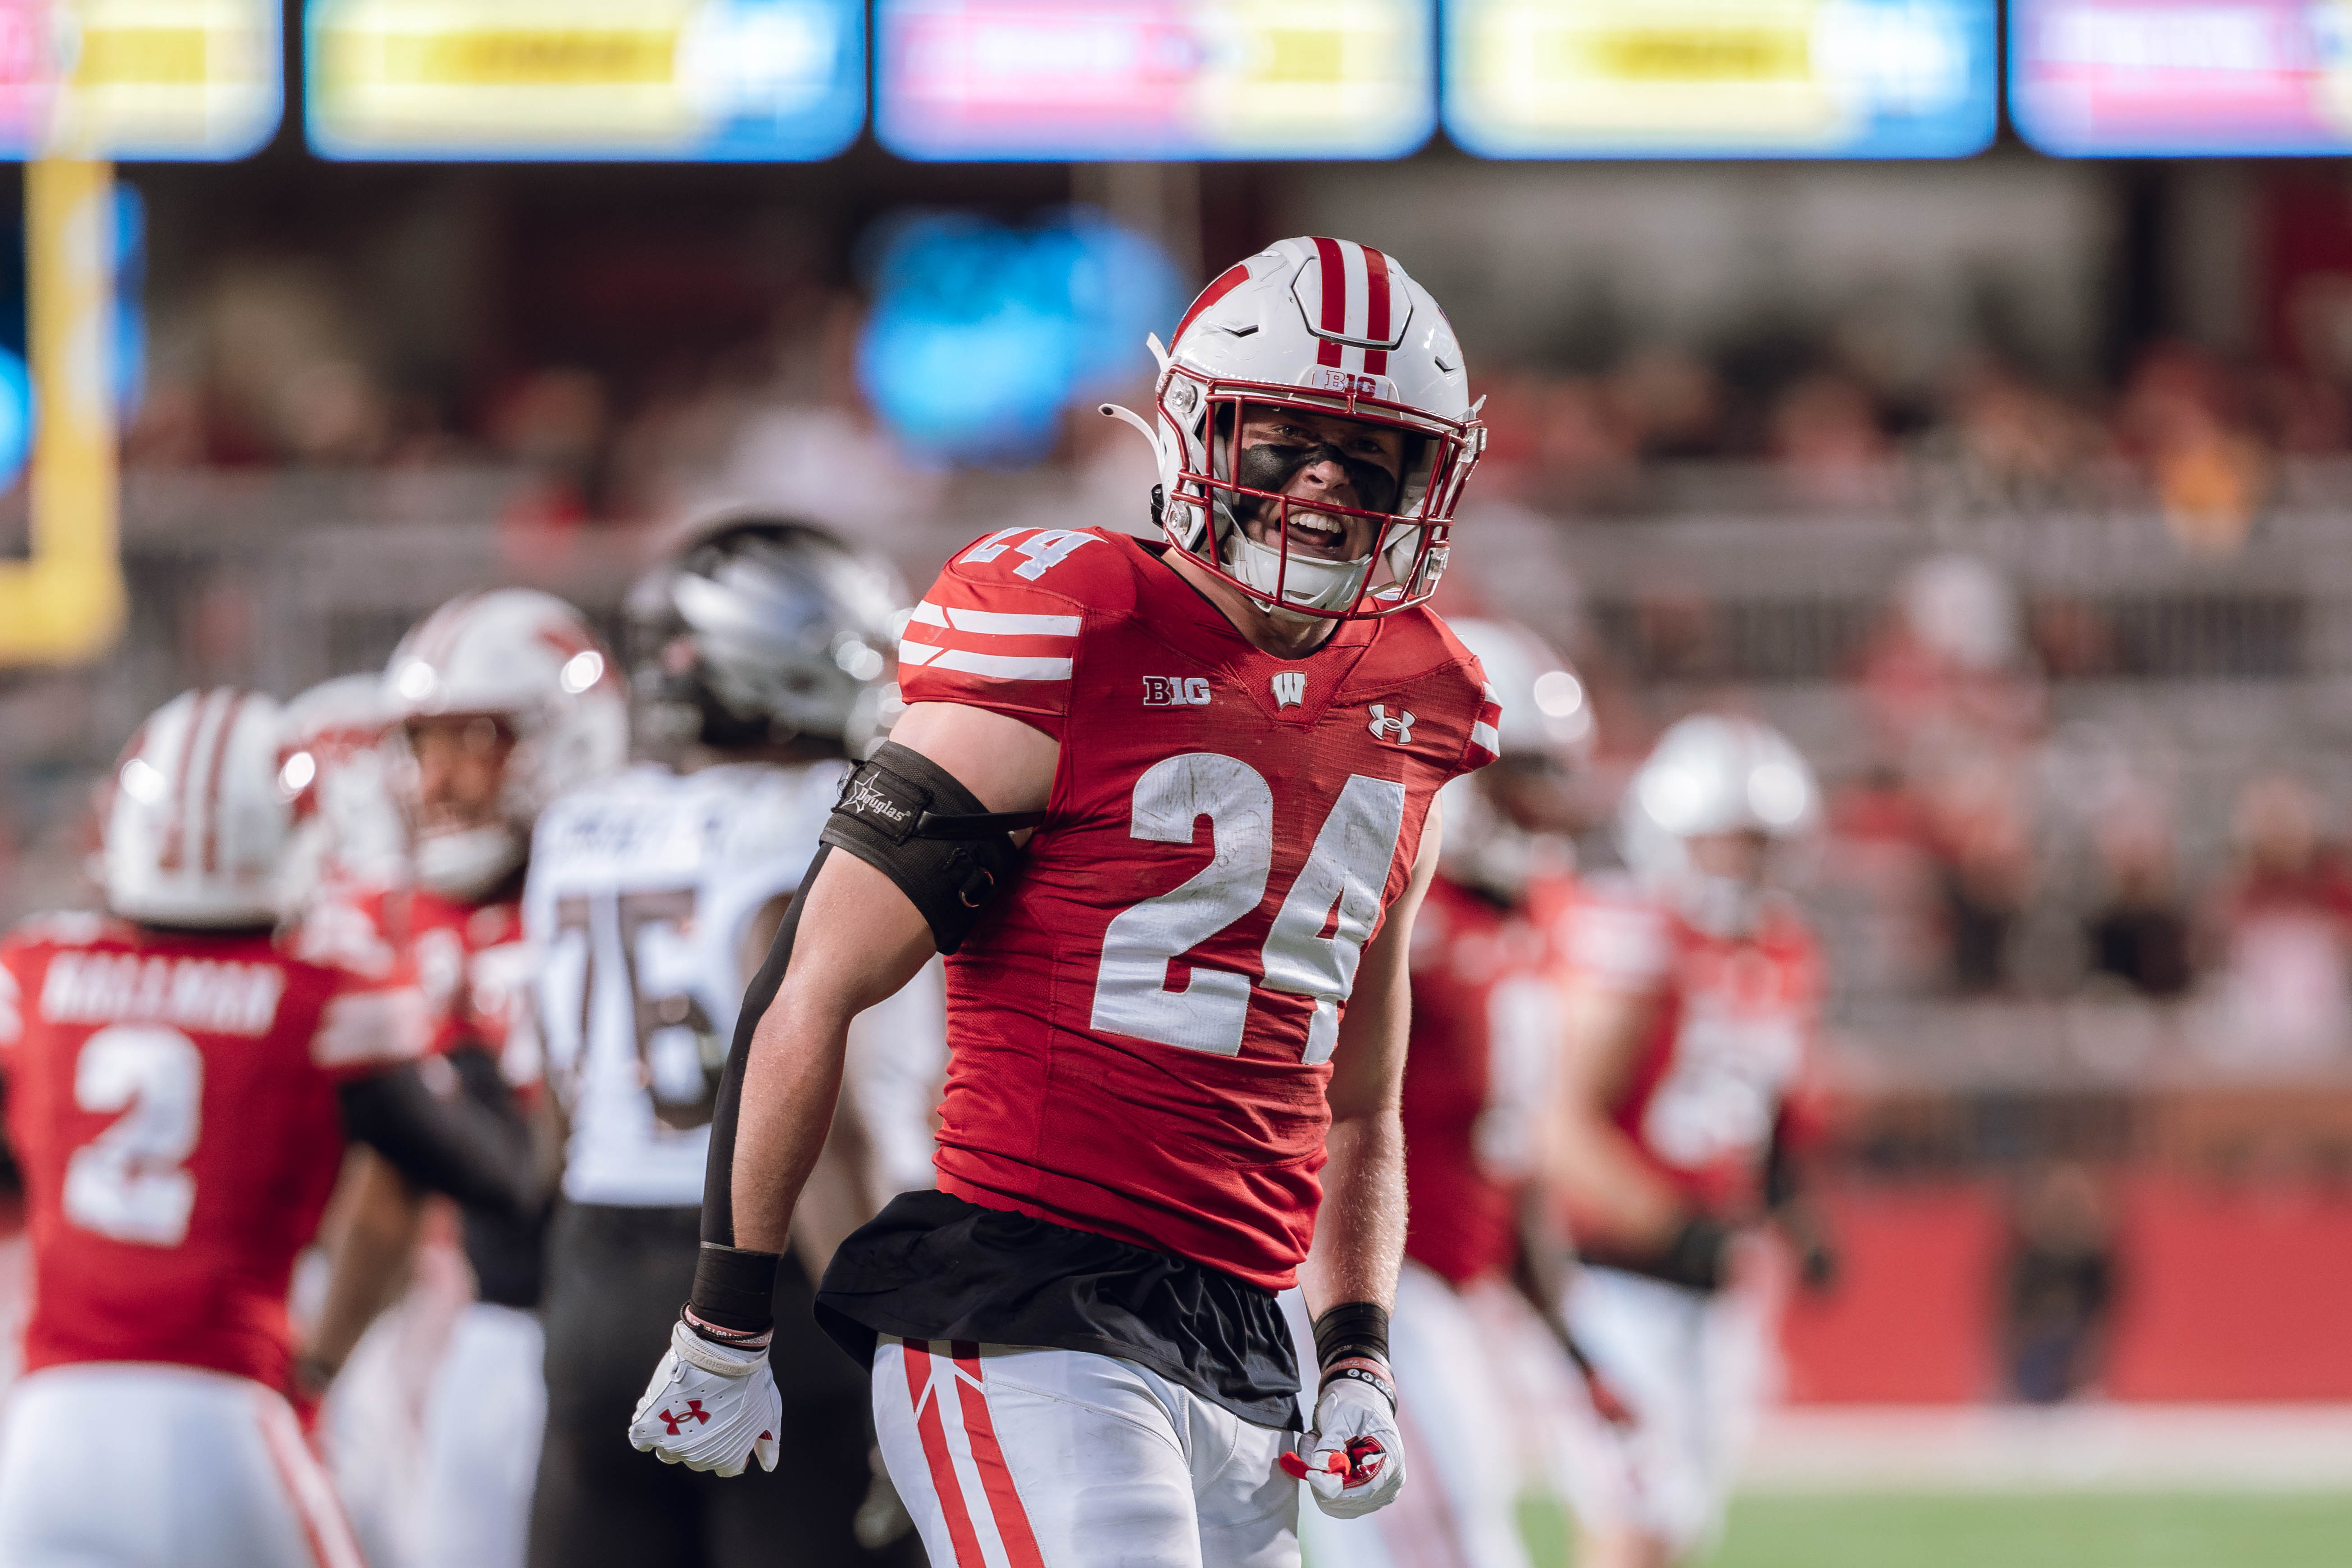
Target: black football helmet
<point>762,631</point>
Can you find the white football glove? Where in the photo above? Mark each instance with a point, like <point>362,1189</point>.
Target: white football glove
<point>1354,1461</point>
<point>708,1408</point>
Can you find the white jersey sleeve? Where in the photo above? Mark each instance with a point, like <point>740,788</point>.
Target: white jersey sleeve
<point>641,894</point>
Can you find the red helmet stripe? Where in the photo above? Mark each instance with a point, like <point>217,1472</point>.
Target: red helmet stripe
<point>176,790</point>
<point>1232,277</point>
<point>1376,319</point>
<point>1335,288</point>
<point>209,810</point>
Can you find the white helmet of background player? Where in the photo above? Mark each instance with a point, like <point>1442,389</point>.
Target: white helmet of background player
<point>333,768</point>
<point>528,661</point>
<point>1712,775</point>
<point>762,631</point>
<point>1507,820</point>
<point>196,830</point>
<point>1333,328</point>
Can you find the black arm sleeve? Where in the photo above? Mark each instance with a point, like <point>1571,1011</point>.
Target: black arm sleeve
<point>455,1144</point>
<point>718,1172</point>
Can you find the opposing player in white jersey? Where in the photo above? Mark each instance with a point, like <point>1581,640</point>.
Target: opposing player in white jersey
<point>497,702</point>
<point>1690,1016</point>
<point>1177,1014</point>
<point>754,652</point>
<point>180,1091</point>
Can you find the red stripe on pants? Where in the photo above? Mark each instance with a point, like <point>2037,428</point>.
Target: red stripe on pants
<point>1003,1500</point>
<point>918,1354</point>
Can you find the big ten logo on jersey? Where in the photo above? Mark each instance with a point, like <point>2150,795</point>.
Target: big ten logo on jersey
<point>1045,548</point>
<point>1175,691</point>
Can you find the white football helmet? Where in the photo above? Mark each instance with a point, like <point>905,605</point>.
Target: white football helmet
<point>332,766</point>
<point>196,830</point>
<point>1335,328</point>
<point>1547,718</point>
<point>1714,774</point>
<point>528,659</point>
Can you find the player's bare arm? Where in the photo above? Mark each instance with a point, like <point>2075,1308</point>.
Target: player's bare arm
<point>1359,1231</point>
<point>858,939</point>
<point>1616,1193</point>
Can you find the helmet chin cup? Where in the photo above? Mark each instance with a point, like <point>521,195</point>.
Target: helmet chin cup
<point>1303,581</point>
<point>467,862</point>
<point>1724,908</point>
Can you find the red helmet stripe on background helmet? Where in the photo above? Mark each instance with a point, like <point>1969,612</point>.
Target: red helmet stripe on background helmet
<point>1375,313</point>
<point>176,788</point>
<point>209,807</point>
<point>1232,277</point>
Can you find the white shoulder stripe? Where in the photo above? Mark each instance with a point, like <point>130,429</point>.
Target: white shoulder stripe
<point>1484,735</point>
<point>1000,665</point>
<point>929,615</point>
<point>991,624</point>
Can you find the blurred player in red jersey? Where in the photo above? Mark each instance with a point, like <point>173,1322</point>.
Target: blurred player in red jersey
<point>1690,1018</point>
<point>1177,1017</point>
<point>497,704</point>
<point>179,1091</point>
<point>1478,1082</point>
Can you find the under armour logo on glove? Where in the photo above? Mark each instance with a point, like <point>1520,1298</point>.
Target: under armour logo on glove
<point>1353,1461</point>
<point>694,1411</point>
<point>709,1406</point>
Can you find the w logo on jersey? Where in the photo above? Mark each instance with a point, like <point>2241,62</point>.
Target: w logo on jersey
<point>1290,689</point>
<point>1384,728</point>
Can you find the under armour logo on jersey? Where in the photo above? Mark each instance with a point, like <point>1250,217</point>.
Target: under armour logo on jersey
<point>1290,689</point>
<point>1175,691</point>
<point>1383,728</point>
<point>694,1412</point>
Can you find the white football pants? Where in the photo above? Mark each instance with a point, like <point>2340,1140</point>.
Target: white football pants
<point>134,1465</point>
<point>1458,1509</point>
<point>1695,1370</point>
<point>484,1419</point>
<point>1012,1457</point>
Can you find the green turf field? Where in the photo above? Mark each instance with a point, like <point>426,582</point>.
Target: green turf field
<point>2104,1530</point>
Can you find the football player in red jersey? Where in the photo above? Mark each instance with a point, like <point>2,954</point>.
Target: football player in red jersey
<point>179,1093</point>
<point>1690,1015</point>
<point>1177,1016</point>
<point>497,702</point>
<point>1478,1082</point>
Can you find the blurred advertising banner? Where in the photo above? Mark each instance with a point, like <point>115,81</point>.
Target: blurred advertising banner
<point>1147,80</point>
<point>685,80</point>
<point>2182,77</point>
<point>138,78</point>
<point>1728,78</point>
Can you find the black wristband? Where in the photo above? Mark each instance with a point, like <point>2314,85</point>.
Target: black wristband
<point>1351,1328</point>
<point>735,1288</point>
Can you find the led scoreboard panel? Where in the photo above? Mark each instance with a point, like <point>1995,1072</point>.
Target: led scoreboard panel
<point>138,78</point>
<point>1078,79</point>
<point>2172,79</point>
<point>1722,79</point>
<point>710,80</point>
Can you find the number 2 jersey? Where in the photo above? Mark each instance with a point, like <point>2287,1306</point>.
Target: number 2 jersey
<point>1727,1054</point>
<point>1141,1029</point>
<point>172,1101</point>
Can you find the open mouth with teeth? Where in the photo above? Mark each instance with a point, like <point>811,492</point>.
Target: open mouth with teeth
<point>1315,534</point>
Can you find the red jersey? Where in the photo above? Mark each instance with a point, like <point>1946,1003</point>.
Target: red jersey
<point>172,1101</point>
<point>1141,1029</point>
<point>469,963</point>
<point>1729,1052</point>
<point>1478,1078</point>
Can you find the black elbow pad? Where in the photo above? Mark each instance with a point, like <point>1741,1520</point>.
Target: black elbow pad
<point>457,1144</point>
<point>907,818</point>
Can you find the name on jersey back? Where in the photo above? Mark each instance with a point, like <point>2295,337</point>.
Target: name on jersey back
<point>212,995</point>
